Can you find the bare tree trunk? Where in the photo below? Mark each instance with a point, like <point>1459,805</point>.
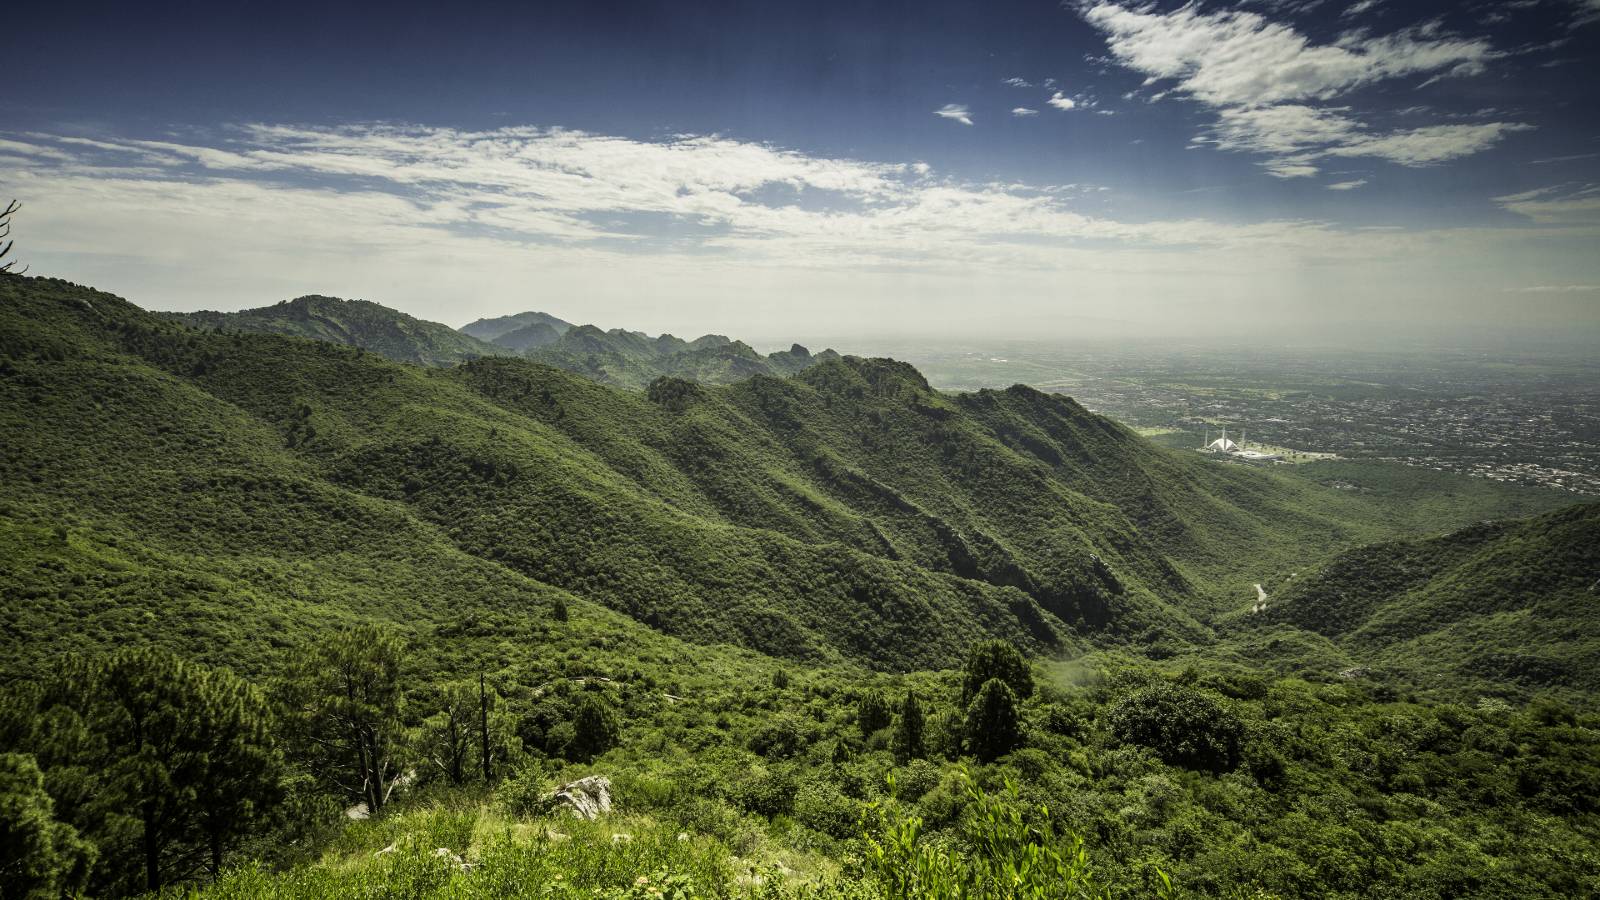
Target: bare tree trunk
<point>152,850</point>
<point>483,710</point>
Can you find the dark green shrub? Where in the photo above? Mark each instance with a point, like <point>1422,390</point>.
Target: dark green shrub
<point>992,726</point>
<point>996,659</point>
<point>1183,725</point>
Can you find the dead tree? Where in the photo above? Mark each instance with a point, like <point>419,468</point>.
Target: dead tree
<point>5,245</point>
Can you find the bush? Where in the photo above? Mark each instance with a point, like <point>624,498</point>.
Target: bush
<point>996,659</point>
<point>1184,726</point>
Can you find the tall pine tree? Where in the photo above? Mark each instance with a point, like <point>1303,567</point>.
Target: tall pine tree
<point>908,741</point>
<point>347,705</point>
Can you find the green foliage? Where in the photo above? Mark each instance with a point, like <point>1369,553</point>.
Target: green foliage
<point>39,856</point>
<point>908,742</point>
<point>1185,726</point>
<point>1012,858</point>
<point>993,726</point>
<point>595,728</point>
<point>873,713</point>
<point>344,702</point>
<point>164,766</point>
<point>996,659</point>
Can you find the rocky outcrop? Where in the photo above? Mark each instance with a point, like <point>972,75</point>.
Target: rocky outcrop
<point>586,797</point>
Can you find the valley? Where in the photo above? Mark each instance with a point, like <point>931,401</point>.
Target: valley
<point>748,604</point>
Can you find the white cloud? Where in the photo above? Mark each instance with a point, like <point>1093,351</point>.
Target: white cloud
<point>1235,58</point>
<point>1269,84</point>
<point>1347,185</point>
<point>1425,146</point>
<point>1061,101</point>
<point>1565,204</point>
<point>453,224</point>
<point>1024,111</point>
<point>1018,82</point>
<point>956,112</point>
<point>1286,169</point>
<point>1359,7</point>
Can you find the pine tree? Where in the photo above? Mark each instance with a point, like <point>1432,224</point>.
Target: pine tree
<point>448,735</point>
<point>996,659</point>
<point>992,726</point>
<point>41,856</point>
<point>594,728</point>
<point>348,727</point>
<point>164,765</point>
<point>908,731</point>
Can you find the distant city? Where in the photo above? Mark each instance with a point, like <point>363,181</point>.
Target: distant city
<point>1524,420</point>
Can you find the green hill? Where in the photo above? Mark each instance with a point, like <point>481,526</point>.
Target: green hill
<point>633,359</point>
<point>492,330</point>
<point>848,512</point>
<point>1505,603</point>
<point>357,323</point>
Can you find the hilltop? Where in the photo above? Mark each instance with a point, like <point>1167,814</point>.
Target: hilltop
<point>630,359</point>
<point>356,323</point>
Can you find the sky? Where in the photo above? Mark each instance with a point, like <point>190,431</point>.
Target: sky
<point>1283,168</point>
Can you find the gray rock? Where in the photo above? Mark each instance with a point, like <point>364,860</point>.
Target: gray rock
<point>588,797</point>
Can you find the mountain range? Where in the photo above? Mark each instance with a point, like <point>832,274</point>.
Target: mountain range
<point>617,356</point>
<point>848,511</point>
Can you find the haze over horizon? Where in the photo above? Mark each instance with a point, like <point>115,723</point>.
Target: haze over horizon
<point>1311,170</point>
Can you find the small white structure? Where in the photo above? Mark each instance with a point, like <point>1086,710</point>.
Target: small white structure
<point>1236,451</point>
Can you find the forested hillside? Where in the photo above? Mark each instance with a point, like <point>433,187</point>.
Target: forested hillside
<point>809,627</point>
<point>356,323</point>
<point>632,359</point>
<point>1512,602</point>
<point>850,512</point>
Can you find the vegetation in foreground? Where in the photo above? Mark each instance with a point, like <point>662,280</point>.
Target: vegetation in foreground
<point>138,771</point>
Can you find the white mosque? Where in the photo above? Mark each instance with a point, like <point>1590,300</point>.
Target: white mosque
<point>1237,451</point>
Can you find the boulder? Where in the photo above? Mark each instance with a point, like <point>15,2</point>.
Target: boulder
<point>586,797</point>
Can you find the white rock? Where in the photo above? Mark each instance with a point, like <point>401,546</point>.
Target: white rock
<point>588,797</point>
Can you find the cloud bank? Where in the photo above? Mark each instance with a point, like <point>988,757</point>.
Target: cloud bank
<point>1273,90</point>
<point>678,233</point>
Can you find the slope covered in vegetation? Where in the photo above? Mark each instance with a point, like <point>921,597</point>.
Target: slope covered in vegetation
<point>759,609</point>
<point>356,323</point>
<point>1510,602</point>
<point>632,359</point>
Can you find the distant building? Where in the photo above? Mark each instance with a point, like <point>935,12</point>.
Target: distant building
<point>1236,451</point>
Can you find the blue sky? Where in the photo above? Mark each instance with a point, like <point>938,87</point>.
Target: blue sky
<point>769,169</point>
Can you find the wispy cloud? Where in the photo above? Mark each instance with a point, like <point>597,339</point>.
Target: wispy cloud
<point>1556,289</point>
<point>1270,85</point>
<point>490,219</point>
<point>1347,185</point>
<point>1564,204</point>
<point>1358,8</point>
<point>1561,159</point>
<point>1018,82</point>
<point>1023,111</point>
<point>956,112</point>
